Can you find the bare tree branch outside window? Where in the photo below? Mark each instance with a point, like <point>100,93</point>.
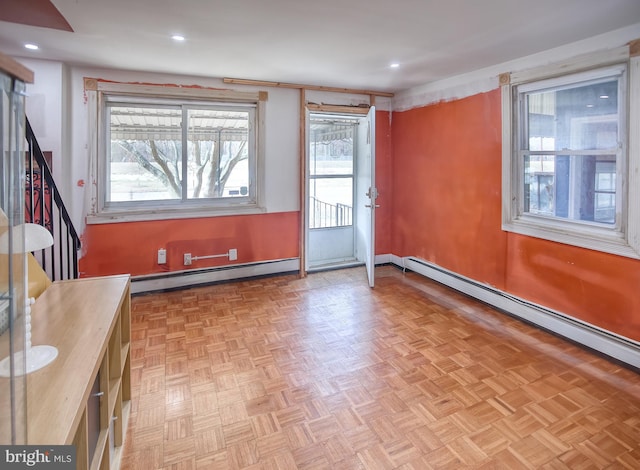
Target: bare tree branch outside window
<point>147,161</point>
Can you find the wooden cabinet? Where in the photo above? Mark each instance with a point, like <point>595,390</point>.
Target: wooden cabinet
<point>83,397</point>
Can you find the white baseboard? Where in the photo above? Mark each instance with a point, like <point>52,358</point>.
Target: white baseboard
<point>610,344</point>
<point>181,279</point>
<point>383,259</point>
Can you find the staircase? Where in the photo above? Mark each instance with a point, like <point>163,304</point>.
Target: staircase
<point>44,206</point>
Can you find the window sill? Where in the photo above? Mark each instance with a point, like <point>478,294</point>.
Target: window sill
<point>589,237</point>
<point>118,216</point>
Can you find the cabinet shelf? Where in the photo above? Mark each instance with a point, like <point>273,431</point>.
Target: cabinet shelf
<point>114,388</point>
<point>124,353</point>
<point>117,454</point>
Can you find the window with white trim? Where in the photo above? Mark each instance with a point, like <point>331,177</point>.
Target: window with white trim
<point>567,153</point>
<point>168,151</point>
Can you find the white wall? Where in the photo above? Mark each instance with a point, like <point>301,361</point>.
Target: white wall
<point>45,107</point>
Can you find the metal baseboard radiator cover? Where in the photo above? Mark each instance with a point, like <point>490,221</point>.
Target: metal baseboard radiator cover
<point>591,336</point>
<point>193,277</point>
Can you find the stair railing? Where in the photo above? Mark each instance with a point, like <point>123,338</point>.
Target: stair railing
<point>44,206</point>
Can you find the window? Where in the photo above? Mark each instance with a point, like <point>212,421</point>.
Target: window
<point>331,168</point>
<point>169,152</point>
<point>566,153</point>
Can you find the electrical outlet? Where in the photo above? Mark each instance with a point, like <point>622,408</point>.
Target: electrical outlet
<point>233,254</point>
<point>162,256</point>
<point>187,259</point>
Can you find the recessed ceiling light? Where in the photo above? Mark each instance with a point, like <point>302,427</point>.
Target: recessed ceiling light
<point>177,37</point>
<point>604,97</point>
<point>394,65</point>
<point>589,106</point>
<point>33,47</point>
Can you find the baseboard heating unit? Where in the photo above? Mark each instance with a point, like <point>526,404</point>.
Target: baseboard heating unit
<point>605,342</point>
<point>193,277</point>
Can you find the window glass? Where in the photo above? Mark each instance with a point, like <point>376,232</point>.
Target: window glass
<point>145,153</point>
<point>578,187</point>
<point>149,153</point>
<point>331,171</point>
<point>330,202</point>
<point>578,117</point>
<point>331,151</point>
<point>605,192</point>
<point>218,153</point>
<point>568,149</point>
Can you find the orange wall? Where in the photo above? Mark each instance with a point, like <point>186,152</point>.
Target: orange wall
<point>446,181</point>
<point>447,210</point>
<point>132,247</point>
<point>384,182</point>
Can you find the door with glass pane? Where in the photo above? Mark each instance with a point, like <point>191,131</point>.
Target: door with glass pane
<point>330,191</point>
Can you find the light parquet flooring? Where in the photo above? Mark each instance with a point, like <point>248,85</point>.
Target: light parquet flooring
<point>324,373</point>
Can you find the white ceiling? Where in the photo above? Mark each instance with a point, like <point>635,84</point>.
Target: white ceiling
<point>343,43</point>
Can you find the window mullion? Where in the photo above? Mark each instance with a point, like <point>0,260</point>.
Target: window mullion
<point>104,164</point>
<point>185,153</point>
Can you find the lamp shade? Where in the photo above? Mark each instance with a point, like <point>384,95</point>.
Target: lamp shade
<point>32,358</point>
<point>36,237</point>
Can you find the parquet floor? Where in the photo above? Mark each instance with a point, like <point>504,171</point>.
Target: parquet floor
<point>324,373</point>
